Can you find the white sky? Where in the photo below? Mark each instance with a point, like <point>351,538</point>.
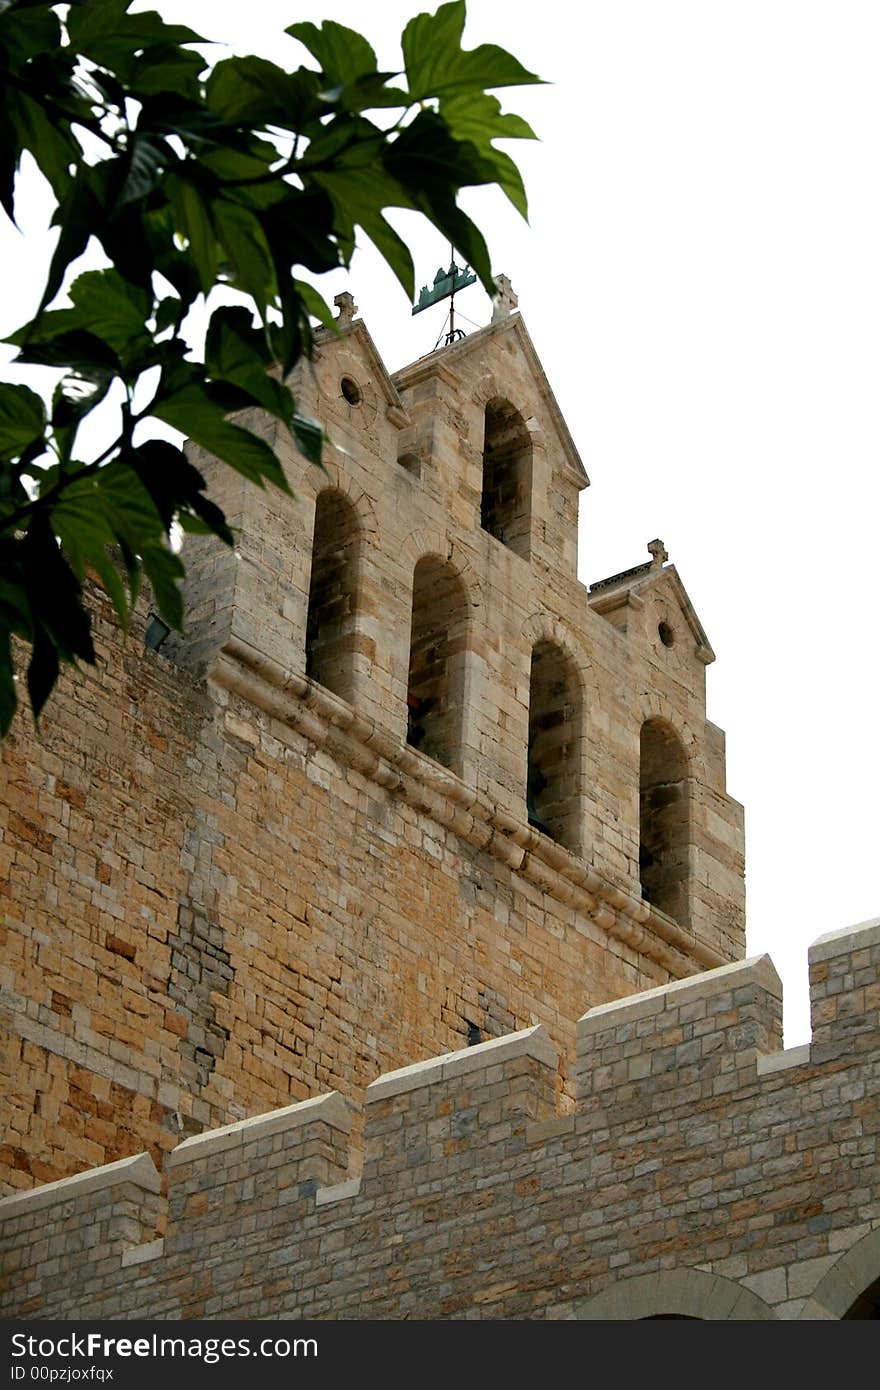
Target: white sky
<point>701,278</point>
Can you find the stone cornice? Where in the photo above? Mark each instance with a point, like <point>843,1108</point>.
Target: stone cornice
<point>330,722</point>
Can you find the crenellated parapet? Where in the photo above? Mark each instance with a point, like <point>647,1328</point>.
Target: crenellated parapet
<point>683,1042</point>
<point>703,1172</point>
<point>845,991</point>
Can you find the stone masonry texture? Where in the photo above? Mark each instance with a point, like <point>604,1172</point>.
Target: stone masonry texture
<point>358,816</point>
<point>702,1173</point>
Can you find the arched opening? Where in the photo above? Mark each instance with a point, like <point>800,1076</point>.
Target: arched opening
<point>438,643</point>
<point>691,1295</point>
<point>856,1268</point>
<point>553,780</point>
<point>867,1305</point>
<point>506,506</point>
<point>330,625</point>
<point>664,830</point>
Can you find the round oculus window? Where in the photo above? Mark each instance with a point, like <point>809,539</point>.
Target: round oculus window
<point>350,390</point>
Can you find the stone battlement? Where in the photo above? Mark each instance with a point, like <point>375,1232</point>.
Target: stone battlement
<point>702,1172</point>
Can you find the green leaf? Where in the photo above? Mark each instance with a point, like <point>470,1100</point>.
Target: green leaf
<point>192,411</point>
<point>165,68</point>
<point>49,141</point>
<point>310,438</point>
<point>176,265</point>
<point>177,487</point>
<point>105,330</point>
<point>343,53</point>
<point>102,564</point>
<point>147,159</point>
<point>426,160</point>
<point>359,193</point>
<point>22,419</point>
<point>27,32</point>
<point>81,524</point>
<point>78,215</point>
<point>15,611</point>
<point>127,504</point>
<point>61,626</point>
<point>161,468</point>
<point>243,169</point>
<point>432,166</point>
<point>75,396</point>
<point>240,233</point>
<point>292,337</point>
<point>47,345</point>
<point>114,38</point>
<point>9,157</point>
<point>165,570</point>
<point>8,695</point>
<point>477,117</point>
<point>168,312</point>
<point>300,231</point>
<point>253,91</point>
<point>43,668</point>
<point>369,92</point>
<point>238,353</point>
<point>193,220</point>
<point>315,303</point>
<point>13,494</point>
<point>437,65</point>
<point>110,307</point>
<point>114,504</point>
<point>467,238</point>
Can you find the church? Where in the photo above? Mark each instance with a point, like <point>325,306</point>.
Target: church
<point>375,948</point>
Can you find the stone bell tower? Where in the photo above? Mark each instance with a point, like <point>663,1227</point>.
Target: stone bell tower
<point>403,784</point>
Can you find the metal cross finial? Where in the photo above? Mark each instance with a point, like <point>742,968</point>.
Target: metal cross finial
<point>347,309</point>
<point>659,554</point>
<point>505,299</point>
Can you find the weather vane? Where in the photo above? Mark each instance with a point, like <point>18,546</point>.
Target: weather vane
<point>446,283</point>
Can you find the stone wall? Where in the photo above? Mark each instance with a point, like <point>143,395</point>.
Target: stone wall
<point>703,1173</point>
<point>226,886</point>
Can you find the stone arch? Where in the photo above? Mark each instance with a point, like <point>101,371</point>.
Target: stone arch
<point>506,494</point>
<point>566,824</point>
<point>665,815</point>
<point>334,584</point>
<point>543,627</point>
<point>555,737</point>
<point>432,541</point>
<point>654,706</point>
<point>676,1293</point>
<point>436,679</point>
<point>851,1287</point>
<point>314,482</point>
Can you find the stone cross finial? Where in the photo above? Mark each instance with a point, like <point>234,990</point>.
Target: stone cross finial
<point>659,554</point>
<point>505,300</point>
<point>347,309</point>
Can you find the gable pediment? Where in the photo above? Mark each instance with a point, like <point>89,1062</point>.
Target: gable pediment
<point>455,361</point>
<point>349,353</point>
<point>631,588</point>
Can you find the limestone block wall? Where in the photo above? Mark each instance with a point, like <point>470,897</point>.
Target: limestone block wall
<point>703,1173</point>
<point>224,887</point>
<point>434,413</point>
<point>216,899</point>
